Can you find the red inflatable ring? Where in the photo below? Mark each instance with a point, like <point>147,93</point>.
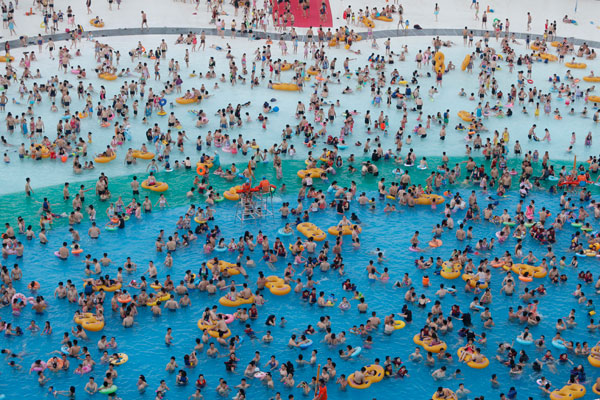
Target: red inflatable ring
<point>530,81</point>
<point>201,170</point>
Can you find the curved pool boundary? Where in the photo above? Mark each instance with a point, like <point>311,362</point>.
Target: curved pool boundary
<point>379,34</point>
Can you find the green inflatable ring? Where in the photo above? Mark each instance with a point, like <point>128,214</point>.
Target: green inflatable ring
<point>108,390</point>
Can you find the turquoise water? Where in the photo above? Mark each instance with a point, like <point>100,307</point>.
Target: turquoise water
<point>17,204</point>
<point>148,355</point>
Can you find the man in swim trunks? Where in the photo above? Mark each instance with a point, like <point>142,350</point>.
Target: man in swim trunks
<point>359,376</point>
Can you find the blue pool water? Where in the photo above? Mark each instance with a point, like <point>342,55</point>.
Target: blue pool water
<point>148,355</point>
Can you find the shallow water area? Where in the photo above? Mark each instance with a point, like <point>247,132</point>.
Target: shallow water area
<point>48,172</point>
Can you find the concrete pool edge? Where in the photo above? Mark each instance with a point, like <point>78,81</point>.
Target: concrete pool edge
<point>391,33</point>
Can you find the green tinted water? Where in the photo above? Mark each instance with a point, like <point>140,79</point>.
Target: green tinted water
<point>180,181</point>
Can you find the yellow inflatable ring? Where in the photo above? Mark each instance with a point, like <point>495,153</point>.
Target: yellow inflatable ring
<point>549,57</point>
<point>573,391</point>
<point>202,326</point>
<point>435,243</point>
<point>232,194</point>
<point>535,272</point>
<point>181,100</point>
<point>280,289</point>
<point>311,230</point>
<point>291,247</point>
<point>224,266</point>
<point>466,62</point>
<point>157,187</point>
<point>595,362</point>
<point>473,282</point>
<point>369,379</point>
<point>107,77</point>
<point>368,23</point>
<point>469,360</point>
<point>164,297</point>
<point>215,334</point>
<point>104,160</point>
<point>312,172</point>
<point>123,358</point>
<point>399,324</point>
<point>452,396</point>
<point>112,288</point>
<point>92,325</point>
<point>83,317</point>
<point>594,99</point>
<point>576,65</point>
<point>99,24</point>
<point>438,348</point>
<point>273,280</point>
<point>285,86</point>
<point>427,199</point>
<point>346,230</point>
<point>450,274</point>
<point>144,156</point>
<point>224,301</point>
<point>89,322</point>
<point>465,116</point>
